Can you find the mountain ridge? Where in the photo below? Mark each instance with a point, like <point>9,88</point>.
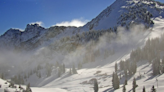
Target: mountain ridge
<point>120,13</point>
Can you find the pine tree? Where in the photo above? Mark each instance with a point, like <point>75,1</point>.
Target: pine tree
<point>25,76</point>
<point>122,65</point>
<point>19,79</point>
<point>125,72</point>
<point>120,76</point>
<point>124,89</point>
<point>96,88</point>
<point>63,68</point>
<point>134,84</point>
<point>70,71</point>
<point>125,83</point>
<point>144,89</point>
<point>22,81</point>
<point>73,69</point>
<point>38,67</point>
<point>56,64</point>
<point>39,75</point>
<point>130,70</point>
<point>115,81</point>
<point>59,72</point>
<point>28,89</point>
<point>163,61</point>
<point>48,67</point>
<point>79,65</point>
<point>156,66</point>
<point>115,67</point>
<point>2,76</point>
<point>134,67</point>
<point>162,64</point>
<point>127,65</point>
<point>153,89</point>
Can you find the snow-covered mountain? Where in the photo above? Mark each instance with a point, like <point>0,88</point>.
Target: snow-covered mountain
<point>120,13</point>
<point>98,45</point>
<point>33,36</point>
<point>126,12</point>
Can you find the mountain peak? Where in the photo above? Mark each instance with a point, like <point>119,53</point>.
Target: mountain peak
<point>12,31</point>
<point>126,12</point>
<point>31,27</point>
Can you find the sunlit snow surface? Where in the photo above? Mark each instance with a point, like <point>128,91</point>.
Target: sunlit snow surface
<point>73,83</point>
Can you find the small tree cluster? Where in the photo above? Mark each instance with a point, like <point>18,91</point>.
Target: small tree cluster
<point>61,69</point>
<point>48,68</point>
<point>79,65</point>
<point>128,67</point>
<point>133,67</point>
<point>156,66</point>
<point>18,79</point>
<point>28,89</point>
<point>74,69</point>
<point>122,65</point>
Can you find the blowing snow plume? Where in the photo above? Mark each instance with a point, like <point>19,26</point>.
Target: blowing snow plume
<point>95,46</point>
<point>90,49</point>
<point>74,22</point>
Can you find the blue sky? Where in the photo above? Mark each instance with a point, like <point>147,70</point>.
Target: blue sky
<point>18,13</point>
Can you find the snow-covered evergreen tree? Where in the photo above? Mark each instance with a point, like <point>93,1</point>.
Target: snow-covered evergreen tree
<point>134,85</point>
<point>74,69</point>
<point>115,81</point>
<point>124,88</point>
<point>153,89</point>
<point>96,88</point>
<point>144,90</point>
<point>116,67</point>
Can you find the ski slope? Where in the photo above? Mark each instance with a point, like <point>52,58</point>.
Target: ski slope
<point>81,82</point>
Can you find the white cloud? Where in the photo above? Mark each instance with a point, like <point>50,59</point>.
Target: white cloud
<point>37,22</point>
<point>74,22</point>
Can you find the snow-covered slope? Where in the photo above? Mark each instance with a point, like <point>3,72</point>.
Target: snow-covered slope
<point>73,45</point>
<point>4,87</point>
<point>126,12</point>
<point>81,82</point>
